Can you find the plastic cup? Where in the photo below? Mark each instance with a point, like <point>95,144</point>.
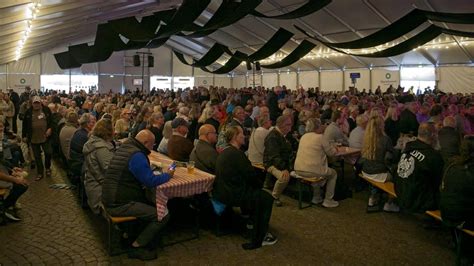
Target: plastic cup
<point>190,167</point>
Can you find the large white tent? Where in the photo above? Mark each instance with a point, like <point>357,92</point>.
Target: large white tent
<point>52,25</point>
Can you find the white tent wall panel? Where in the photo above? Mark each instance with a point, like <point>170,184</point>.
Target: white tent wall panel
<point>239,81</point>
<point>222,81</point>
<point>110,83</point>
<point>270,80</point>
<point>28,65</point>
<point>203,81</point>
<point>19,81</point>
<point>24,72</point>
<point>200,73</point>
<point>308,79</point>
<point>180,69</point>
<point>112,73</point>
<point>250,80</point>
<point>288,79</point>
<point>456,79</point>
<point>162,57</point>
<point>49,66</point>
<point>384,78</point>
<point>114,65</point>
<point>361,83</point>
<point>331,80</point>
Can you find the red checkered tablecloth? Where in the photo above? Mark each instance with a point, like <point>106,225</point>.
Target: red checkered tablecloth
<point>182,184</point>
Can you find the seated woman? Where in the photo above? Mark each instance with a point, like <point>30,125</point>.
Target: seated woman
<point>376,151</point>
<point>312,161</point>
<point>97,151</point>
<point>457,202</point>
<point>236,185</point>
<point>167,132</point>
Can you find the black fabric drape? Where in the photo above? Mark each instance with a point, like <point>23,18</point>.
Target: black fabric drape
<point>421,38</point>
<point>227,14</point>
<point>186,14</point>
<point>303,49</point>
<point>144,30</point>
<point>216,51</point>
<point>397,29</point>
<point>272,46</point>
<point>308,8</point>
<point>231,64</point>
<point>66,61</point>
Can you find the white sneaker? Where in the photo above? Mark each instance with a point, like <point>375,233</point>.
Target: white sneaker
<point>10,215</point>
<point>391,207</point>
<point>372,201</point>
<point>316,201</point>
<point>269,240</point>
<point>330,203</point>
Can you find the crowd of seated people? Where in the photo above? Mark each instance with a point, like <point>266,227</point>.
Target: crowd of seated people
<point>403,137</point>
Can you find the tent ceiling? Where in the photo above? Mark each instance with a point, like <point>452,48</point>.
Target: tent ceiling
<point>64,21</point>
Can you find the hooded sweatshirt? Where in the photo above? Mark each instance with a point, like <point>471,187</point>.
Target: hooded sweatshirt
<point>418,177</point>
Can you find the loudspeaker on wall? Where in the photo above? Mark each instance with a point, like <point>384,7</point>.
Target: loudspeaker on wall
<point>151,61</point>
<point>136,60</point>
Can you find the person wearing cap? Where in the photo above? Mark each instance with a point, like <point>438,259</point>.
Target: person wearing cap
<point>179,147</point>
<point>37,128</point>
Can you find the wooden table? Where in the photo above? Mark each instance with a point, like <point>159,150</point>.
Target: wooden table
<point>343,151</point>
<point>182,184</point>
<point>347,154</point>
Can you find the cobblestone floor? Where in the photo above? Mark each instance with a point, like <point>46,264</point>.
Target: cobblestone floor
<point>55,230</point>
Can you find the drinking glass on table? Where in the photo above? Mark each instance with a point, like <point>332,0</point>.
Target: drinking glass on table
<point>190,167</point>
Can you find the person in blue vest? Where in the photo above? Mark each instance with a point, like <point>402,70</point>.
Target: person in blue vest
<point>127,182</point>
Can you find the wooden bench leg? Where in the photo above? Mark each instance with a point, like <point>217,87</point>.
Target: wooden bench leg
<point>300,196</point>
<point>109,236</point>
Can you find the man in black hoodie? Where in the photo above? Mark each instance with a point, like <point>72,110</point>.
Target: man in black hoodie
<point>419,173</point>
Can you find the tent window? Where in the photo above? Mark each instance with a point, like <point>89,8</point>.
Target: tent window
<point>420,78</point>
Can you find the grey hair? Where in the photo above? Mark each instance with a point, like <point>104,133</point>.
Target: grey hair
<point>312,124</point>
<point>85,119</point>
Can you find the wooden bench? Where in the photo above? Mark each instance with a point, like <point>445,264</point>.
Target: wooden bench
<point>259,166</point>
<point>388,187</point>
<point>304,181</point>
<point>112,221</point>
<point>458,237</point>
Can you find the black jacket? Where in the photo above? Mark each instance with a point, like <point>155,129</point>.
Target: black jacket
<point>272,103</point>
<point>418,177</point>
<point>27,120</point>
<point>277,151</point>
<point>204,156</point>
<point>235,177</point>
<point>449,141</point>
<point>457,200</point>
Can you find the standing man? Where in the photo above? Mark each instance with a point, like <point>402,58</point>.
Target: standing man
<point>37,128</point>
<point>15,98</point>
<point>124,193</point>
<point>276,156</point>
